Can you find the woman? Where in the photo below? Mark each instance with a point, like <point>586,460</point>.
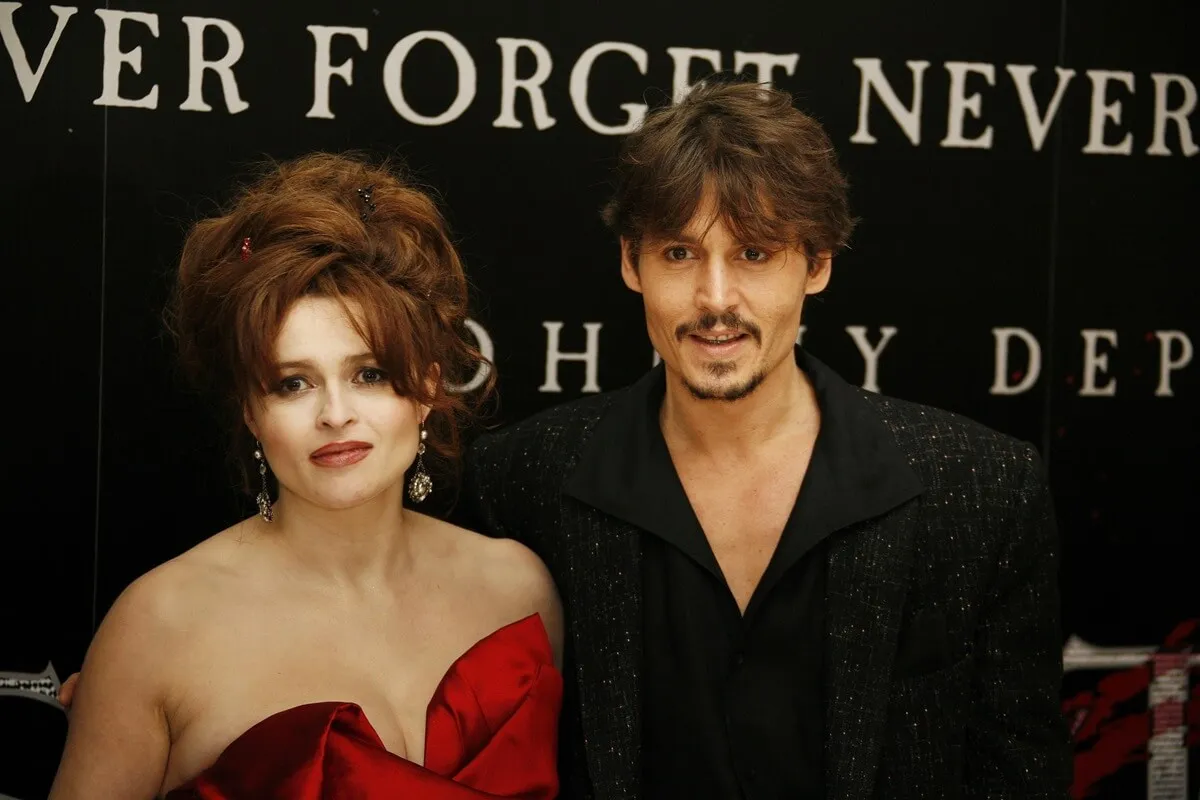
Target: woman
<point>337,643</point>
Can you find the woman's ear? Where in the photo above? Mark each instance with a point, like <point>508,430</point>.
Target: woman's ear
<point>431,386</point>
<point>248,418</point>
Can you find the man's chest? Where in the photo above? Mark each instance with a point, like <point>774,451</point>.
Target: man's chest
<point>742,517</point>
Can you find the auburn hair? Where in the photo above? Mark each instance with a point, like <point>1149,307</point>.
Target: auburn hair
<point>772,169</point>
<point>304,228</point>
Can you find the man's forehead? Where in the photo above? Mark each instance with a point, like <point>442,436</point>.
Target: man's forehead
<point>718,226</point>
<point>701,228</point>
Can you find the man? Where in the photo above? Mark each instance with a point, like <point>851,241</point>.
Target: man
<point>777,584</point>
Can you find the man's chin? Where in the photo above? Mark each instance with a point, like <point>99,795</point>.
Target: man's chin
<point>727,388</point>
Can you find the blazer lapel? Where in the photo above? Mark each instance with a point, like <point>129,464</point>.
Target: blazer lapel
<point>868,573</point>
<point>606,497</point>
<point>605,601</point>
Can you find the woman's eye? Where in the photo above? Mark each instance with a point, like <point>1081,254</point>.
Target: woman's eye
<point>291,385</point>
<point>373,375</point>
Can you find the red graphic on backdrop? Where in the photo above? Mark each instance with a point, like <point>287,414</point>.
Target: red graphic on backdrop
<point>1111,724</point>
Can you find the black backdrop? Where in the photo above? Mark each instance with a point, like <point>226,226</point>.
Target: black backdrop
<point>992,213</point>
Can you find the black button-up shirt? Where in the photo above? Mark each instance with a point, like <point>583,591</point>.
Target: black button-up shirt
<point>733,706</point>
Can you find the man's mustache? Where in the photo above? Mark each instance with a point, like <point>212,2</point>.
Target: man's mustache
<point>729,319</point>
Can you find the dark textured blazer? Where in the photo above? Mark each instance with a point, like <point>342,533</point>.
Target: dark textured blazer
<point>943,649</point>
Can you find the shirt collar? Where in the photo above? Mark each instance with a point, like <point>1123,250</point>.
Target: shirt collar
<point>856,472</point>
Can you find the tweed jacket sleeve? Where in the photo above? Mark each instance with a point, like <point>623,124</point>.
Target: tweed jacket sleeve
<point>1017,741</point>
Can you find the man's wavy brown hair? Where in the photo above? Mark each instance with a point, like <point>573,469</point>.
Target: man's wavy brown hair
<point>772,168</point>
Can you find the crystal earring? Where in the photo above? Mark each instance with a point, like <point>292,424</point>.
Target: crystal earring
<point>264,498</point>
<point>421,484</point>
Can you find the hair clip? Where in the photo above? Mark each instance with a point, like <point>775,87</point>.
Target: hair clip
<point>246,249</point>
<point>365,196</point>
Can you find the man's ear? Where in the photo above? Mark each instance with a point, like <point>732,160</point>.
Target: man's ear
<point>819,268</point>
<point>629,265</point>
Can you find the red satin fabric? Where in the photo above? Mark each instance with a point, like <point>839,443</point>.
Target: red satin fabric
<point>491,732</point>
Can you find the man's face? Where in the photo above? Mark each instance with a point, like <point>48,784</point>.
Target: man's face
<point>722,313</point>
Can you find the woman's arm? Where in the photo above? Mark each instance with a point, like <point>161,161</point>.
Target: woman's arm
<point>118,740</point>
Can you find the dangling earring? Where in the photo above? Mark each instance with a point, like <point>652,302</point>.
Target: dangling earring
<point>264,498</point>
<point>421,484</point>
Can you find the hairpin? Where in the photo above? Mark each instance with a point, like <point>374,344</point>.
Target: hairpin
<point>246,249</point>
<point>365,196</point>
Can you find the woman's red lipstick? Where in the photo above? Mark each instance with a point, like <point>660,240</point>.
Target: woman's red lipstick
<point>340,454</point>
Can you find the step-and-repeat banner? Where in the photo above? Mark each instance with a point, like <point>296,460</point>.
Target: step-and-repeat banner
<point>1028,187</point>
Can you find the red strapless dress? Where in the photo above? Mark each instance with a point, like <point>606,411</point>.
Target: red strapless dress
<point>491,732</point>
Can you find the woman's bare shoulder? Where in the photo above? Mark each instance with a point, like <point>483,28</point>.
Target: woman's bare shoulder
<point>184,587</point>
<point>501,561</point>
<point>513,579</point>
<point>119,739</point>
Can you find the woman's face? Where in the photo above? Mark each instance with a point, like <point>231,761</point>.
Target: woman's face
<point>333,430</point>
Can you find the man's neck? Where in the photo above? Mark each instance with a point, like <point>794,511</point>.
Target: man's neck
<point>735,430</point>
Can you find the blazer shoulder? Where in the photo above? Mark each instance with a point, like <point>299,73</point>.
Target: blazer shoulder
<point>555,434</point>
<point>513,473</point>
<point>991,488</point>
<point>927,433</point>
